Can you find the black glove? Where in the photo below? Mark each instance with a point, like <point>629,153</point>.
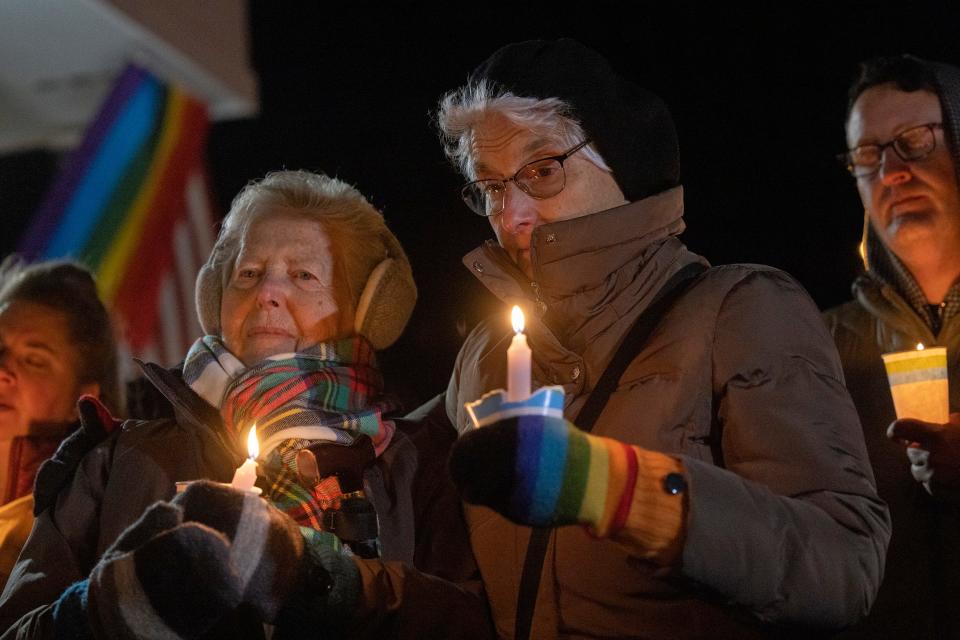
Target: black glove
<point>266,545</point>
<point>277,566</point>
<point>161,578</point>
<point>96,424</point>
<point>183,565</point>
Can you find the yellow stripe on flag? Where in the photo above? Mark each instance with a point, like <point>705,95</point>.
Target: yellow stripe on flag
<point>120,252</point>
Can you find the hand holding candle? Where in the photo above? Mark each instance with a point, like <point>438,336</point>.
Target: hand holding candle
<point>245,476</point>
<point>517,400</point>
<point>518,361</point>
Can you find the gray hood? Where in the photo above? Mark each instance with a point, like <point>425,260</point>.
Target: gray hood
<point>879,260</point>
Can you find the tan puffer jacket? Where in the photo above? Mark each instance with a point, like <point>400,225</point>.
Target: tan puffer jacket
<point>740,380</point>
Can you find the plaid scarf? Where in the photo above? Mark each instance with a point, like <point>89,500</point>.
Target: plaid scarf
<point>329,392</point>
<point>305,505</point>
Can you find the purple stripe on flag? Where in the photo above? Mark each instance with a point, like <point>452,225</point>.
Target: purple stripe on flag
<point>132,127</point>
<point>47,218</point>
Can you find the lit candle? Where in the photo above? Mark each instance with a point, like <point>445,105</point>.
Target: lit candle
<point>518,361</point>
<point>246,474</point>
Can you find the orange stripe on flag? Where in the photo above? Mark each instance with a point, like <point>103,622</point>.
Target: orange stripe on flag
<point>152,257</point>
<point>112,268</point>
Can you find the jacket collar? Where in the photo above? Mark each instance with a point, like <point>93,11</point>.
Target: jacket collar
<point>590,271</point>
<point>188,407</point>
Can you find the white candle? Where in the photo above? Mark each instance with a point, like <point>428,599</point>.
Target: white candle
<point>518,361</point>
<point>246,474</point>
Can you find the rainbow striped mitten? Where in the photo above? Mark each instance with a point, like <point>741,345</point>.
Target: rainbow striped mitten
<point>541,471</point>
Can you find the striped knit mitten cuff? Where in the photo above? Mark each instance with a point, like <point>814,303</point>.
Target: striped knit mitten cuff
<point>542,471</point>
<point>266,547</point>
<point>69,613</point>
<point>177,584</point>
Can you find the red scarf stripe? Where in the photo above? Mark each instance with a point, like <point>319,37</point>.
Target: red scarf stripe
<point>312,393</point>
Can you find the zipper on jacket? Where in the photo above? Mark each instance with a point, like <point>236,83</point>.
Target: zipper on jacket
<point>904,317</point>
<point>935,314</point>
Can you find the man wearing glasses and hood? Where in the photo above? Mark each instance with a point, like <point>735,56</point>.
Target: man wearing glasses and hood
<point>725,490</point>
<point>903,134</point>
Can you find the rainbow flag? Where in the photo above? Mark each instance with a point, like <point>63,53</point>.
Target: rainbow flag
<point>132,203</point>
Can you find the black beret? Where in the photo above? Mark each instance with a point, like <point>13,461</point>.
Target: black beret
<point>630,126</point>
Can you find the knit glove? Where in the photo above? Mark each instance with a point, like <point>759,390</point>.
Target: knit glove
<point>276,566</point>
<point>266,547</point>
<point>96,424</point>
<point>161,578</point>
<point>542,471</point>
<point>328,594</point>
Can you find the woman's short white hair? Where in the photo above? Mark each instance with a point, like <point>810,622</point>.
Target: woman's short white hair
<point>360,239</point>
<point>461,110</point>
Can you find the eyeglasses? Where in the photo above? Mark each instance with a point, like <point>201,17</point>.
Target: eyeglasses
<point>540,179</point>
<point>912,144</point>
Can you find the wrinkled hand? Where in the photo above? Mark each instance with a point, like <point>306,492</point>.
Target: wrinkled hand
<point>162,577</point>
<point>304,493</point>
<point>933,450</point>
<point>328,486</point>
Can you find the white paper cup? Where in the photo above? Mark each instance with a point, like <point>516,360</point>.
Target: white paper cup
<point>918,383</point>
<point>494,406</point>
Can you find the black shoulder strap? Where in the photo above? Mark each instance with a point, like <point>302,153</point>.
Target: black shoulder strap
<point>624,355</point>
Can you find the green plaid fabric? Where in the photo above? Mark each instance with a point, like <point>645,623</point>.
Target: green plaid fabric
<point>330,392</point>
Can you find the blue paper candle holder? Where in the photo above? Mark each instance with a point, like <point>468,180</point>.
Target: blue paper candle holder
<point>493,406</point>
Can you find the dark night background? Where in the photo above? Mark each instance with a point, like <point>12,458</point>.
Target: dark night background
<point>758,97</point>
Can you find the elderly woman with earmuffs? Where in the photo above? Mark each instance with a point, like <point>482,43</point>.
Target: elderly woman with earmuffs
<point>304,284</point>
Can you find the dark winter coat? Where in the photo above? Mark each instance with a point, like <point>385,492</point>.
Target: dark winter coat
<point>420,523</point>
<point>922,580</point>
<point>741,382</point>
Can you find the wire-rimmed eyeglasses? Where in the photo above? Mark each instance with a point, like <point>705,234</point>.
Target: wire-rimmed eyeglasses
<point>911,144</point>
<point>540,179</point>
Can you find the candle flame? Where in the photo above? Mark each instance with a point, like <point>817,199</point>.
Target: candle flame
<point>516,317</point>
<point>920,346</point>
<point>253,447</point>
